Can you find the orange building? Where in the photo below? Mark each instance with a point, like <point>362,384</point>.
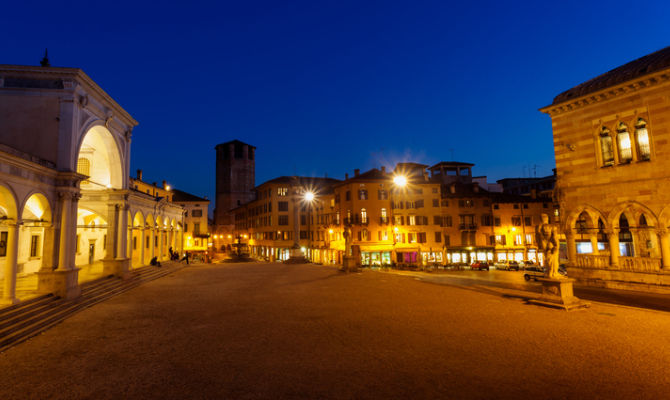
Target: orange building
<point>434,218</point>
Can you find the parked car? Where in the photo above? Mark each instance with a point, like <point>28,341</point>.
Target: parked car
<point>508,265</point>
<point>527,263</point>
<point>533,272</point>
<point>480,265</point>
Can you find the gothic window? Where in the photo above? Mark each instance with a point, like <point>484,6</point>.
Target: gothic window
<point>642,140</point>
<point>624,143</point>
<point>606,147</point>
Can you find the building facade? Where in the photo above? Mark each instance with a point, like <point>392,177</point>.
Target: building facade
<point>430,219</point>
<point>611,142</point>
<point>196,229</point>
<point>67,213</point>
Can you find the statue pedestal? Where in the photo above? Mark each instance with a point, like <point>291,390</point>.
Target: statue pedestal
<point>296,256</point>
<point>349,264</point>
<point>558,293</point>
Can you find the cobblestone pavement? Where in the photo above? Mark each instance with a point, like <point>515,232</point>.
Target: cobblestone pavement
<point>266,331</point>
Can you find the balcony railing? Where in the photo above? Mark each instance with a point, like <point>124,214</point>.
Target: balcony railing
<point>383,220</point>
<point>470,226</point>
<point>634,264</point>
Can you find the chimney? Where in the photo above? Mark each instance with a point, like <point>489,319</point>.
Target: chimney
<point>383,169</point>
<point>154,183</point>
<point>164,184</point>
<point>357,172</point>
<point>346,176</point>
<point>139,174</point>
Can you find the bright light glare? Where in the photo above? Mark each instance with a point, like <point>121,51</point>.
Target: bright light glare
<point>309,196</point>
<point>400,180</point>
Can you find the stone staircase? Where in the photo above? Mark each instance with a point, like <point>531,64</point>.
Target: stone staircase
<point>24,320</point>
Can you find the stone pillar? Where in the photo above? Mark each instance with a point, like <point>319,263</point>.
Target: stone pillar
<point>665,247</point>
<point>152,245</point>
<point>594,244</point>
<point>131,241</point>
<point>118,264</point>
<point>572,247</point>
<point>64,280</point>
<point>9,294</point>
<point>613,238</point>
<point>142,245</point>
<point>49,254</point>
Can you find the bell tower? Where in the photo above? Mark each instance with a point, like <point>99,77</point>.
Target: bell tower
<point>235,179</point>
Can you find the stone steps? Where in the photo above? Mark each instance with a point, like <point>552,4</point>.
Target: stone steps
<point>22,321</point>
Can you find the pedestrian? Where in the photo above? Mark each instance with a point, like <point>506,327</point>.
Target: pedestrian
<point>185,257</point>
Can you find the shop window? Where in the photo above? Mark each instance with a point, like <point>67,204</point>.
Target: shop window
<point>624,143</point>
<point>606,147</point>
<point>642,140</point>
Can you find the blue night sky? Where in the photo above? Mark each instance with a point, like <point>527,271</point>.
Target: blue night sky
<point>323,87</point>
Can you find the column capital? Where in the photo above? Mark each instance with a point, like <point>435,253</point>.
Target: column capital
<point>662,231</point>
<point>611,231</point>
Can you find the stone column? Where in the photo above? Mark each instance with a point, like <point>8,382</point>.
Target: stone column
<point>572,247</point>
<point>64,280</point>
<point>49,249</point>
<point>665,247</point>
<point>9,294</point>
<point>131,241</point>
<point>613,238</point>
<point>142,244</point>
<point>112,231</point>
<point>122,229</point>
<point>594,243</point>
<point>161,244</point>
<point>117,264</point>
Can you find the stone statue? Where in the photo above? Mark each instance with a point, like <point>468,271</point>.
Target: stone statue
<point>546,236</point>
<point>347,240</point>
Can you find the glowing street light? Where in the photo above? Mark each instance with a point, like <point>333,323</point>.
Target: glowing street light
<point>309,196</point>
<point>400,180</point>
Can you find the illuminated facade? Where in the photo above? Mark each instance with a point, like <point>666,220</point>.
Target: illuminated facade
<point>67,213</point>
<point>196,230</point>
<point>611,145</point>
<point>430,219</point>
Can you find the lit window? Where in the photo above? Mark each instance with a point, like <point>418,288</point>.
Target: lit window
<point>606,148</point>
<point>411,220</point>
<point>282,191</point>
<point>364,216</point>
<point>384,216</point>
<point>642,140</point>
<point>623,140</point>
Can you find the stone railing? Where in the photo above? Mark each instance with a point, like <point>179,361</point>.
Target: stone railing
<point>593,261</point>
<point>639,264</point>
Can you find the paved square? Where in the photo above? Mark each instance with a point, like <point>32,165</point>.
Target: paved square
<point>247,331</point>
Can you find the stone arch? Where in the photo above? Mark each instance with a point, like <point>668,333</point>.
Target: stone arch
<point>664,217</point>
<point>8,203</point>
<point>591,211</point>
<point>138,219</point>
<point>104,159</point>
<point>36,207</point>
<point>632,210</point>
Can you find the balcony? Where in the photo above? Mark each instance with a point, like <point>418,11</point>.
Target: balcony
<point>383,220</point>
<point>468,227</point>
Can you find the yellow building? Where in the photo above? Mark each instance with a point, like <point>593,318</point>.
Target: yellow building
<point>420,219</point>
<point>196,233</point>
<point>611,145</point>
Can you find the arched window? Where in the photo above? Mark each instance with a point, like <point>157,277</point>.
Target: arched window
<point>606,148</point>
<point>642,140</point>
<point>625,237</point>
<point>623,141</point>
<point>364,216</point>
<point>643,221</point>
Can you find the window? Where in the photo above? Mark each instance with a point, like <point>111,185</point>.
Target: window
<point>383,235</point>
<point>447,221</point>
<point>496,206</point>
<point>282,206</point>
<point>436,202</point>
<point>362,194</point>
<point>529,238</point>
<point>437,220</point>
<point>501,240</point>
<point>466,203</point>
<point>84,166</point>
<point>364,216</point>
<point>516,206</point>
<point>34,244</point>
<point>283,220</point>
<point>337,218</point>
<point>397,220</point>
<point>337,198</point>
<point>421,237</point>
<point>447,240</point>
<point>418,204</point>
<point>365,234</point>
<point>411,237</point>
<point>347,196</point>
<point>146,243</point>
<point>411,220</point>
<point>487,220</point>
<point>384,216</point>
<point>496,221</point>
<point>382,194</point>
<point>196,213</point>
<point>135,243</point>
<point>642,140</point>
<point>623,141</point>
<point>516,221</point>
<point>445,203</point>
<point>527,221</point>
<point>606,148</point>
<point>434,190</point>
<point>438,237</point>
<point>282,191</point>
<point>155,241</point>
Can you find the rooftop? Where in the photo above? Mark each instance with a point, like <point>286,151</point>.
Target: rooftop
<point>648,64</point>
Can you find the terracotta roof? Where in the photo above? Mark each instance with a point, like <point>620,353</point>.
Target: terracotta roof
<point>179,195</point>
<point>648,64</point>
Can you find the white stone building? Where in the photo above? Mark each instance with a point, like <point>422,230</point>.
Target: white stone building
<point>67,214</point>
